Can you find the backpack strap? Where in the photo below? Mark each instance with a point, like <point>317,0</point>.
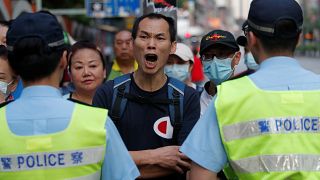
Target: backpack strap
<point>121,85</point>
<point>176,94</point>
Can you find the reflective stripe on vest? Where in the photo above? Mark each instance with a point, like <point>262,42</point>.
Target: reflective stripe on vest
<point>278,125</point>
<point>269,134</point>
<point>277,163</point>
<point>74,153</point>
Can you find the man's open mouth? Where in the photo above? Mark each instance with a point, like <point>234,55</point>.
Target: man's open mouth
<point>151,57</point>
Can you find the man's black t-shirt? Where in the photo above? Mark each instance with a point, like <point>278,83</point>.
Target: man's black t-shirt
<point>145,126</point>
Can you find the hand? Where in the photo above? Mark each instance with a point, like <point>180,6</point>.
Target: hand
<point>171,158</point>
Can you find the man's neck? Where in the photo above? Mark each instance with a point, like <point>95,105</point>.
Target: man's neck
<point>211,88</point>
<point>126,66</point>
<point>149,82</point>
<point>42,82</point>
<point>85,97</point>
<point>263,54</point>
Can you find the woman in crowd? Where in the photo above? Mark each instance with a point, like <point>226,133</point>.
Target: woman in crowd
<point>87,71</point>
<point>8,79</point>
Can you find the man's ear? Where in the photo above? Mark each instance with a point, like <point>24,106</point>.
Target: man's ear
<point>251,40</point>
<point>173,47</point>
<point>104,73</point>
<point>190,67</point>
<point>63,60</point>
<point>14,84</point>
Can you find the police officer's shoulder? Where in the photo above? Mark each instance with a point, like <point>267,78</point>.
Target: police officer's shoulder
<point>5,103</point>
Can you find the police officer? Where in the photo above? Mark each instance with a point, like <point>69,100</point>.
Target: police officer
<point>265,124</point>
<point>44,136</point>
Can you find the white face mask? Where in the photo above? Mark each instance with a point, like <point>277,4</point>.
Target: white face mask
<point>4,88</point>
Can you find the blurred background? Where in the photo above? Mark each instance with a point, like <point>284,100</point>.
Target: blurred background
<point>98,20</point>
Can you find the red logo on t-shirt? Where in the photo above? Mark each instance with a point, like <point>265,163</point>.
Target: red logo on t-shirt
<point>163,127</point>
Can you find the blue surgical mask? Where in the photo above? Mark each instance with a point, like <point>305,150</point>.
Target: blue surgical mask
<point>180,72</point>
<point>218,70</point>
<point>250,62</point>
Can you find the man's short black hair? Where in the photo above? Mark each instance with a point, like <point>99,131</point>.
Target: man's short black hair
<point>169,20</point>
<point>278,43</point>
<point>35,42</point>
<point>32,59</point>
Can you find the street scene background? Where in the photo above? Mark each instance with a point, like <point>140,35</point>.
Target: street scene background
<point>98,20</point>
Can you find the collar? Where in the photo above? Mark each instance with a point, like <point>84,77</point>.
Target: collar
<point>9,98</point>
<point>40,91</point>
<point>116,66</point>
<point>278,61</point>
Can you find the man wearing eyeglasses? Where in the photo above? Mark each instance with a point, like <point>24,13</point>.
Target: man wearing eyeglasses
<point>220,55</point>
<point>265,125</point>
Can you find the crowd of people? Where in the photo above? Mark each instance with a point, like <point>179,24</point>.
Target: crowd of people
<point>147,119</point>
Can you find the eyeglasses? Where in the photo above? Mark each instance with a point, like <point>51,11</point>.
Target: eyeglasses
<point>245,30</point>
<point>222,56</point>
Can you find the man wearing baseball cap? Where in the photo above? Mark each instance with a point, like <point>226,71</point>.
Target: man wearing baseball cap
<point>265,125</point>
<point>180,65</point>
<point>42,135</point>
<point>220,55</point>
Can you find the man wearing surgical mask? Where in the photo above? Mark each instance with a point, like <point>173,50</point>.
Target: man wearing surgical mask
<point>180,64</point>
<point>8,80</point>
<point>220,55</point>
<point>249,60</point>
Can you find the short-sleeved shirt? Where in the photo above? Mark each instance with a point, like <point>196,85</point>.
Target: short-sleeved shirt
<point>116,71</point>
<point>42,110</point>
<point>147,126</point>
<point>205,99</point>
<point>204,145</point>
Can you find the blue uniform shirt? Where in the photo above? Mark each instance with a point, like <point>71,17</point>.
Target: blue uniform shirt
<point>42,110</point>
<point>204,145</point>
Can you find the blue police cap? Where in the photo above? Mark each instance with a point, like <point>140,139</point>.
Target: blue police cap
<point>265,14</point>
<point>40,24</point>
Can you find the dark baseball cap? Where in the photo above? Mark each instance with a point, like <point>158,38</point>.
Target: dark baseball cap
<point>218,37</point>
<point>40,24</point>
<point>264,15</point>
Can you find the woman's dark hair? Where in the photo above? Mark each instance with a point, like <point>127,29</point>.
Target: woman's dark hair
<point>83,45</point>
<point>33,59</point>
<point>169,20</point>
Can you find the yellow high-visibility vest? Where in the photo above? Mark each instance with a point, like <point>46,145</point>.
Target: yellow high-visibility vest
<point>74,153</point>
<point>269,134</point>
